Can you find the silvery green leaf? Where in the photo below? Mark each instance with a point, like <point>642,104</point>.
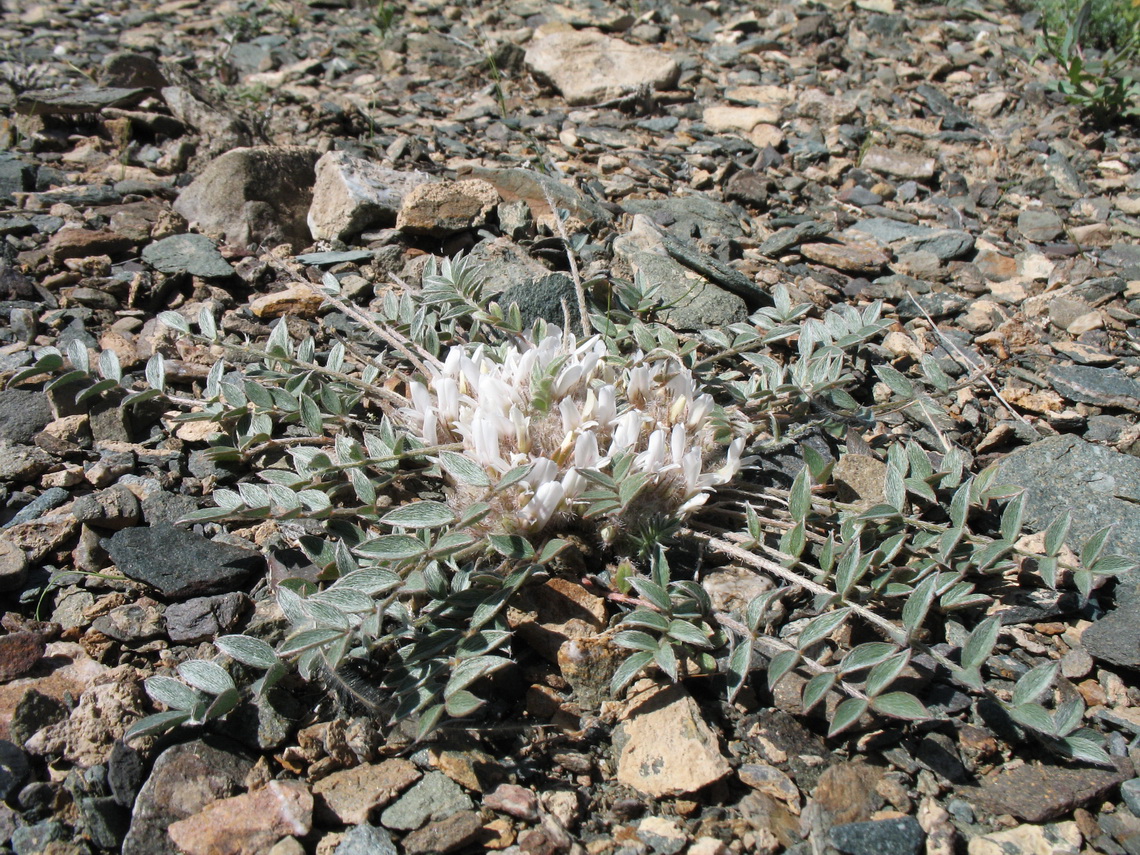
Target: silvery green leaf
<point>392,547</point>
<point>109,366</point>
<point>268,680</point>
<point>1047,567</point>
<point>753,522</point>
<point>1093,546</point>
<point>429,721</point>
<point>156,725</point>
<point>1056,533</point>
<point>1033,716</point>
<point>799,499</point>
<point>1034,683</point>
<point>1068,715</point>
<point>80,358</point>
<point>206,323</point>
<point>688,633</point>
<point>463,469</point>
<point>651,591</point>
<point>1112,565</point>
<point>781,664</point>
<point>512,546</point>
<point>314,500</point>
<point>207,676</point>
<point>648,618</point>
<point>308,640</point>
<point>921,488</point>
<point>372,581</point>
<point>820,627</point>
<point>173,693</point>
<point>895,381</point>
<point>1011,518</point>
<point>851,568</point>
<point>1083,579</point>
<point>894,490</point>
<point>311,415</point>
<point>470,670</point>
<point>980,644</point>
<point>846,714</point>
<point>792,542</point>
<point>900,705</point>
<point>629,669</point>
<point>1083,748</point>
<point>885,673</point>
<point>362,485</point>
<point>866,655</point>
<point>419,515</point>
<point>816,690</point>
<point>222,704</point>
<point>254,495</point>
<point>739,664</point>
<point>462,703</point>
<point>292,605</point>
<point>665,659</point>
<point>175,321</point>
<point>278,341</point>
<point>247,650</point>
<point>346,600</point>
<point>915,609</point>
<point>636,640</point>
<point>156,372</point>
<point>307,350</point>
<point>934,373</point>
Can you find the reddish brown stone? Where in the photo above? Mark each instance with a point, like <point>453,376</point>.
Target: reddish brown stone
<point>19,653</point>
<point>82,243</point>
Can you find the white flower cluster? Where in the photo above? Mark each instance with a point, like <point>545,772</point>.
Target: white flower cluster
<point>560,407</point>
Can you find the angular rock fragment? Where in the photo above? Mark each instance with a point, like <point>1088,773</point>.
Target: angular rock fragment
<point>351,194</point>
<point>588,67</point>
<point>254,196</point>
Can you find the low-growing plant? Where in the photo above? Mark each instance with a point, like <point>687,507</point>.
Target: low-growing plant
<point>454,456</point>
<point>1105,84</point>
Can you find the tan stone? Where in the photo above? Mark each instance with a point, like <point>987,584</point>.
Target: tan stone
<point>723,119</point>
<point>669,749</point>
<point>448,207</point>
<point>588,67</point>
<point>1062,838</point>
<point>298,300</point>
<point>849,257</point>
<point>349,797</point>
<point>248,824</point>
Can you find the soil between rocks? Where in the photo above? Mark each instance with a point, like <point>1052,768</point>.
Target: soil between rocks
<point>188,154</point>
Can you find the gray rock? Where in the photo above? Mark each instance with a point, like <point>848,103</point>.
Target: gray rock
<point>184,780</point>
<point>1068,180</point>
<point>22,415</point>
<point>327,259</point>
<point>790,237</point>
<point>1105,387</point>
<point>89,195</point>
<point>36,710</point>
<point>1039,226</point>
<point>902,836</point>
<point>179,563</point>
<point>105,821</point>
<point>1115,638</point>
<point>1130,792</point>
<point>1124,255</point>
<point>131,70</point>
<point>692,302</point>
<point>689,216</point>
<point>543,298</point>
<point>22,462</point>
<point>947,244</point>
<point>33,839</point>
<point>68,101</point>
<point>126,772</point>
<point>588,67</point>
<point>50,498</point>
<point>1098,485</point>
<point>16,176</point>
<point>14,768</point>
<point>352,194</point>
<point>204,618</point>
<point>366,840</point>
<point>219,129</point>
<point>132,622</point>
<point>435,797</point>
<point>1042,793</point>
<point>254,196</point>
<point>193,254</point>
<point>266,725</point>
<point>115,508</point>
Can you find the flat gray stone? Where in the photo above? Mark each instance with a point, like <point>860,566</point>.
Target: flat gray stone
<point>1104,387</point>
<point>1042,793</point>
<point>193,254</point>
<point>435,797</point>
<point>366,840</point>
<point>49,102</point>
<point>902,836</point>
<point>352,194</point>
<point>689,216</point>
<point>1039,226</point>
<point>179,563</point>
<point>1097,485</point>
<point>23,414</point>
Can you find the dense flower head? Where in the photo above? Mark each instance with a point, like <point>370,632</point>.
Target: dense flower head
<point>562,408</point>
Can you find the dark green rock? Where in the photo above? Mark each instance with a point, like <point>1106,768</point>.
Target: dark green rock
<point>193,254</point>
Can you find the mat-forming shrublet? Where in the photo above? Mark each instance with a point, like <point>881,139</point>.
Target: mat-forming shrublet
<point>561,407</point>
